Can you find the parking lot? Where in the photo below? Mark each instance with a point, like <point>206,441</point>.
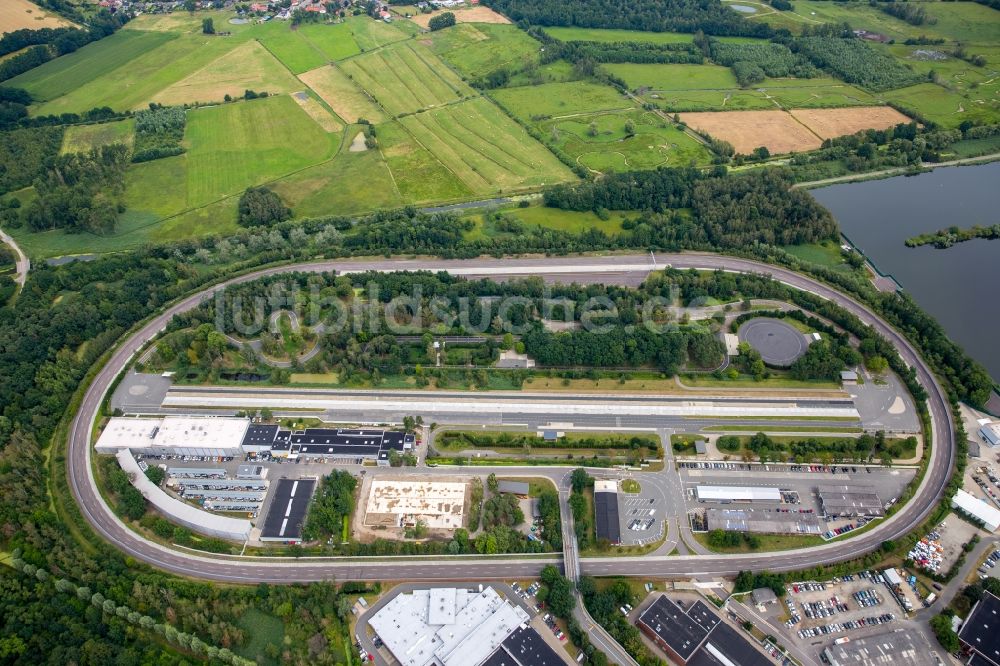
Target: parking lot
<point>641,515</point>
<point>854,603</point>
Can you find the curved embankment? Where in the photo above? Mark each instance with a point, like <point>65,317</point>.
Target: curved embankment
<point>621,269</point>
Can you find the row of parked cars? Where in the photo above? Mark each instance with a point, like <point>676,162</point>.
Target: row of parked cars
<point>551,624</point>
<point>867,598</point>
<point>838,627</point>
<point>990,562</point>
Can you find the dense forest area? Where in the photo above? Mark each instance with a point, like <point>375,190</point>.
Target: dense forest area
<point>709,16</point>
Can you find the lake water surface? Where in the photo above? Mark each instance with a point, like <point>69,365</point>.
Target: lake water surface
<point>959,286</point>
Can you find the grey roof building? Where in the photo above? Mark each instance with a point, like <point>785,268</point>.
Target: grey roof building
<point>514,487</point>
<point>902,647</point>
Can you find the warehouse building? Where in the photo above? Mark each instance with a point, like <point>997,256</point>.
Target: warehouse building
<point>606,521</point>
<point>180,512</point>
<point>334,443</point>
<point>207,436</point>
<point>762,521</point>
<point>902,647</point>
<point>729,494</point>
<point>696,636</point>
<point>448,626</point>
<point>524,647</point>
<point>286,516</point>
<point>980,634</point>
<point>978,509</point>
<point>849,501</point>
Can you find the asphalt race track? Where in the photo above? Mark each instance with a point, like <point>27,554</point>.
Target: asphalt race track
<point>619,269</point>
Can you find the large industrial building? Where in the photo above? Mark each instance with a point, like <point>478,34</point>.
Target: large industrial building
<point>211,437</point>
<point>224,437</point>
<point>762,521</point>
<point>606,522</point>
<point>727,494</point>
<point>458,627</point>
<point>849,501</point>
<point>902,647</point>
<point>402,502</point>
<point>978,509</point>
<point>980,634</point>
<point>696,636</point>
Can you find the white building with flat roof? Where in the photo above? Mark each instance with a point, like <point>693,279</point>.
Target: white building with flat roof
<point>978,509</point>
<point>737,494</point>
<point>446,626</point>
<point>208,436</point>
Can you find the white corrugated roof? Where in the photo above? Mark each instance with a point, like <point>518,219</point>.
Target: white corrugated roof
<point>739,493</point>
<point>978,508</point>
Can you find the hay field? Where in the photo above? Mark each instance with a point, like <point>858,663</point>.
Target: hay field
<point>405,78</point>
<point>81,138</point>
<point>746,130</point>
<point>19,14</point>
<point>339,92</point>
<point>471,15</point>
<point>247,67</point>
<point>830,123</point>
<point>317,111</point>
<point>484,148</point>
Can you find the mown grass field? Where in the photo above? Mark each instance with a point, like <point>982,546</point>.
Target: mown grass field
<point>419,176</point>
<point>656,142</point>
<point>560,99</point>
<point>342,95</point>
<point>81,138</point>
<point>574,34</point>
<point>476,50</point>
<point>289,46</point>
<point>134,85</point>
<point>349,183</point>
<point>93,61</point>
<point>406,77</point>
<point>485,149</point>
<point>571,221</point>
<point>943,106</point>
<point>236,145</point>
<point>674,77</point>
<point>249,66</point>
<point>21,14</point>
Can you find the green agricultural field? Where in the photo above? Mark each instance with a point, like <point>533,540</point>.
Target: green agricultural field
<point>560,100</point>
<point>406,77</point>
<point>573,34</point>
<point>674,77</point>
<point>600,142</point>
<point>233,146</point>
<point>478,49</point>
<point>291,47</point>
<point>370,34</point>
<point>349,183</point>
<point>81,138</point>
<point>419,176</point>
<point>486,150</point>
<point>336,41</point>
<point>946,107</point>
<point>570,221</point>
<point>146,75</point>
<point>710,100</point>
<point>93,61</point>
<point>814,93</point>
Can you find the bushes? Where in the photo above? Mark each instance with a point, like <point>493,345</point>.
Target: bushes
<point>158,133</point>
<point>441,21</point>
<point>769,58</point>
<point>333,502</point>
<point>260,206</point>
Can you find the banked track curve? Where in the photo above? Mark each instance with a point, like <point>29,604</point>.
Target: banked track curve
<point>580,269</point>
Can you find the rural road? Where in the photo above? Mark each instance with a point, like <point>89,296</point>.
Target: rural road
<point>23,264</point>
<point>630,268</point>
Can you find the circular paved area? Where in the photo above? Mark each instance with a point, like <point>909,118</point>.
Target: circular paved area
<point>778,343</point>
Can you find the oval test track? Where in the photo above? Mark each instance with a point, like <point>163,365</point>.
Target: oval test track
<point>567,269</point>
